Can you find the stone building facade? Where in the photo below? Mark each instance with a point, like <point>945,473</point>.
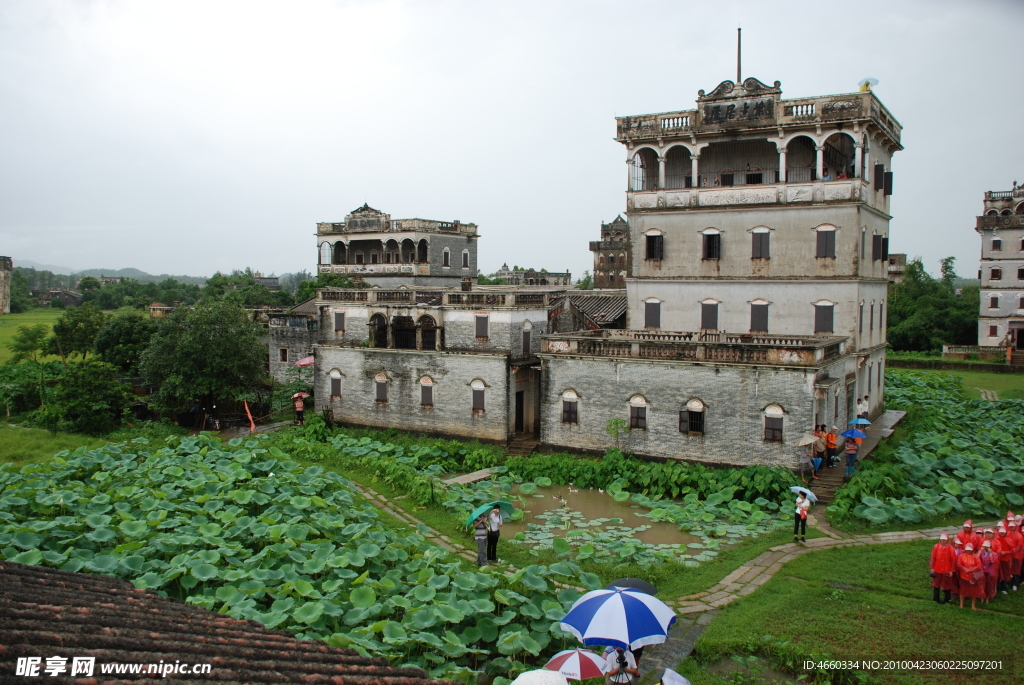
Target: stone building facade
<point>291,336</point>
<point>533,277</point>
<point>759,229</point>
<point>6,269</point>
<point>390,253</point>
<point>612,255</point>
<point>1001,227</point>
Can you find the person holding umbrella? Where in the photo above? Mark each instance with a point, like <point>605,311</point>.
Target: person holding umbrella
<point>494,524</point>
<point>300,408</point>
<point>480,536</point>
<point>483,516</point>
<point>803,505</point>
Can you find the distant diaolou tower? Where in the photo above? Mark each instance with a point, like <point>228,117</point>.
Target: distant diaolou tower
<point>6,268</point>
<point>1001,319</point>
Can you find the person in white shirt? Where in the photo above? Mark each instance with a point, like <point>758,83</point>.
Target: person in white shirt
<point>621,667</point>
<point>803,505</point>
<point>867,407</point>
<point>494,524</point>
<point>860,409</point>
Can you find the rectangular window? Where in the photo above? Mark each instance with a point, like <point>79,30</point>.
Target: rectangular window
<point>465,260</point>
<point>826,245</point>
<point>860,326</point>
<point>755,179</point>
<point>1020,273</point>
<point>709,316</point>
<point>881,316</point>
<point>727,179</point>
<point>527,349</point>
<point>638,417</point>
<point>652,314</point>
<point>335,387</point>
<point>876,247</point>
<point>863,242</point>
<point>478,400</point>
<point>997,245</point>
<point>481,326</point>
<point>655,247</point>
<point>885,249</point>
<point>993,302</point>
<point>879,374</point>
<point>282,354</point>
<point>887,184</point>
<point>382,391</point>
<point>823,318</point>
<point>773,429</point>
<point>997,274</point>
<point>1020,305</point>
<point>993,331</point>
<point>339,321</point>
<point>447,258</point>
<point>879,176</point>
<point>569,414</point>
<point>760,245</point>
<point>759,318</point>
<point>871,367</point>
<point>712,246</point>
<point>359,257</point>
<point>691,422</point>
<point>427,395</point>
<point>374,258</point>
<point>871,317</point>
<point>611,259</point>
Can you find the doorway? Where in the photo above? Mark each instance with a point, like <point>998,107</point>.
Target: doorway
<point>520,407</point>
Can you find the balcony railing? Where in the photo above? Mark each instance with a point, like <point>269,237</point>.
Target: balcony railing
<point>705,346</point>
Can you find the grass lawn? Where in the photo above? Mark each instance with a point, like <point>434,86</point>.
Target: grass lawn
<point>868,602</point>
<point>20,446</point>
<point>9,325</point>
<point>1006,385</point>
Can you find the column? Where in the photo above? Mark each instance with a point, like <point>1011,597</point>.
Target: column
<point>819,161</point>
<point>782,164</point>
<point>858,156</point>
<point>695,169</point>
<point>661,171</point>
<point>629,174</point>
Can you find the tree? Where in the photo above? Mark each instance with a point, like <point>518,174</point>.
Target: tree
<point>205,355</point>
<point>122,340</point>
<point>89,399</point>
<point>925,314</point>
<point>307,289</point>
<point>586,282</point>
<point>89,283</point>
<point>27,345</point>
<point>21,293</point>
<point>75,331</point>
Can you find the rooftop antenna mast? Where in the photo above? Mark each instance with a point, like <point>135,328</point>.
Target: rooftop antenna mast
<point>739,44</point>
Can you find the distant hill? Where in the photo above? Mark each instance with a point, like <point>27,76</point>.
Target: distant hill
<point>140,276</point>
<point>29,264</point>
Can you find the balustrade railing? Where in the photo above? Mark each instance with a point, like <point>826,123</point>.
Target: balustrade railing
<point>394,296</point>
<point>344,295</point>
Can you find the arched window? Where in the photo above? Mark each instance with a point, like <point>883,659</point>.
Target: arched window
<point>760,242</point>
<point>380,382</point>
<point>426,391</point>
<point>709,315</point>
<point>478,387</point>
<point>678,168</point>
<point>428,332</point>
<point>422,250</point>
<point>335,376</point>
<point>712,244</point>
<point>570,407</point>
<point>638,412</point>
<point>691,418</point>
<point>773,417</point>
<point>645,170</point>
<point>527,343</point>
<point>378,331</point>
<point>325,253</point>
<point>838,157</point>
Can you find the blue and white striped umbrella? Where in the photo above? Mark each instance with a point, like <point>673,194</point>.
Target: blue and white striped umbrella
<point>620,617</point>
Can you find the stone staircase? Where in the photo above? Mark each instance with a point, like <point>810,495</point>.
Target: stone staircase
<point>523,444</point>
<point>831,479</point>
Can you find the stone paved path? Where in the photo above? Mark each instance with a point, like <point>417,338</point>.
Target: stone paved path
<point>990,395</point>
<point>470,477</point>
<point>694,612</point>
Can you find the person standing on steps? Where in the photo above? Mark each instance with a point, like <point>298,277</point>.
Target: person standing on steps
<point>851,459</point>
<point>860,408</point>
<point>494,524</point>
<point>943,566</point>
<point>819,449</point>
<point>831,446</point>
<point>867,407</point>
<point>803,506</point>
<point>480,535</point>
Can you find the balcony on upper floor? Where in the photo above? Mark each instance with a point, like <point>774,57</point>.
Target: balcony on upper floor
<point>596,245</point>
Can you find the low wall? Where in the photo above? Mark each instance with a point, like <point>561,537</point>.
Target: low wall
<point>891,363</point>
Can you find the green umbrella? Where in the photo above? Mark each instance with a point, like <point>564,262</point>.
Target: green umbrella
<point>506,509</point>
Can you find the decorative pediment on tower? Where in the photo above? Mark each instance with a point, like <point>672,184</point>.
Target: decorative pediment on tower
<point>751,87</point>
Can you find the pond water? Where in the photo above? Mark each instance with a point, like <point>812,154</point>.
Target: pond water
<point>593,505</point>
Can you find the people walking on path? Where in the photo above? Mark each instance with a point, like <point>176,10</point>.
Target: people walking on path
<point>803,505</point>
<point>494,524</point>
<point>943,566</point>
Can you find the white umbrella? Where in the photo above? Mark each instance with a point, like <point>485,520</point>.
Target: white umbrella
<point>807,493</point>
<point>672,678</point>
<point>806,440</point>
<point>540,677</point>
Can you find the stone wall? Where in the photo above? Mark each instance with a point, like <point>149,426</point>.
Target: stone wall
<point>299,343</point>
<point>451,374</point>
<point>6,268</point>
<point>735,398</point>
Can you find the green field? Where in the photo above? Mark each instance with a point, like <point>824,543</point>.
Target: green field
<point>9,325</point>
<point>1007,386</point>
<point>868,602</point>
<point>20,446</point>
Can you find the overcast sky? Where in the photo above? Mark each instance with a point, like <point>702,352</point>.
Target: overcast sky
<point>190,136</point>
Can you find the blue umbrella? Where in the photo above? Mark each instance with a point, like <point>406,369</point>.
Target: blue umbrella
<point>854,433</point>
<point>620,617</point>
<point>860,422</point>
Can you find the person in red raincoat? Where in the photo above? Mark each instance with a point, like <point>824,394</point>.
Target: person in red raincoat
<point>968,536</point>
<point>943,566</point>
<point>1014,535</point>
<point>958,549</point>
<point>990,565</point>
<point>972,577</point>
<point>1004,547</point>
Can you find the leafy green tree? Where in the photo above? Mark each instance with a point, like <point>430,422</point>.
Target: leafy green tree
<point>925,313</point>
<point>256,294</point>
<point>28,345</point>
<point>21,293</point>
<point>122,340</point>
<point>89,399</point>
<point>307,289</point>
<point>586,282</point>
<point>89,283</point>
<point>205,354</point>
<point>75,331</point>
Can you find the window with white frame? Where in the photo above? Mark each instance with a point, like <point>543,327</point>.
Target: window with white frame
<point>426,392</point>
<point>691,419</point>
<point>465,259</point>
<point>760,243</point>
<point>773,418</point>
<point>447,258</point>
<point>826,242</point>
<point>711,247</point>
<point>637,413</point>
<point>652,313</point>
<point>823,316</point>
<point>335,383</point>
<point>759,316</point>
<point>570,407</point>
<point>380,382</point>
<point>478,396</point>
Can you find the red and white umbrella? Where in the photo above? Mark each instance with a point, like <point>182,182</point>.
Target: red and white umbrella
<point>305,361</point>
<point>578,664</point>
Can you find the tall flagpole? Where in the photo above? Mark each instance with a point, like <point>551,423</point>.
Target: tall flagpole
<point>739,43</point>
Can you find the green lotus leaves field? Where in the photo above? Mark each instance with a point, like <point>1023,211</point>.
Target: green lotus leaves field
<point>245,531</point>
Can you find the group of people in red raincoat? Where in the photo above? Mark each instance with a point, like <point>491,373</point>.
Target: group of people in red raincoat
<point>978,565</point>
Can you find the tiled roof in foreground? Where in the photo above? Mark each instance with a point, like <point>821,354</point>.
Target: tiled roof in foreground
<point>47,612</point>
